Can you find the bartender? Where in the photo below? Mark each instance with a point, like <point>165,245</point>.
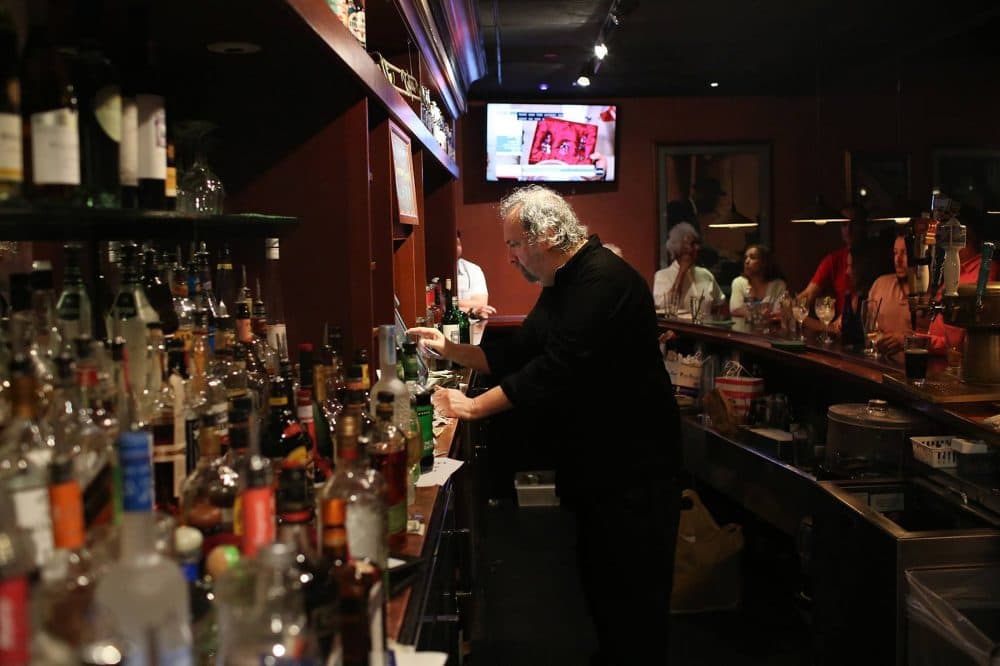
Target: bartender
<point>473,296</point>
<point>831,274</point>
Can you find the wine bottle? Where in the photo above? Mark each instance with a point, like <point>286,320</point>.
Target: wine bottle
<point>11,159</point>
<point>152,135</point>
<point>49,115</point>
<point>99,101</point>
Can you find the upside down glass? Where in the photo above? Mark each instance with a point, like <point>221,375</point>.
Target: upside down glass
<point>916,353</point>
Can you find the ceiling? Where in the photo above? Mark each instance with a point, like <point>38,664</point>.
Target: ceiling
<point>678,47</point>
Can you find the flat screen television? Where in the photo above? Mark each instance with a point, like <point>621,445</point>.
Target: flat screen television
<point>550,142</point>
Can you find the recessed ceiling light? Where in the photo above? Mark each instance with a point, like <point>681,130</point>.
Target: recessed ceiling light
<point>714,84</point>
<point>583,81</point>
<point>543,86</point>
<point>600,50</point>
<point>233,48</point>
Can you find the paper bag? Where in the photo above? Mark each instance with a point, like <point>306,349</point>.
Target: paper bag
<point>707,565</point>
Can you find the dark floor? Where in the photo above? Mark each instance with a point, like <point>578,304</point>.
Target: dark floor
<point>535,614</point>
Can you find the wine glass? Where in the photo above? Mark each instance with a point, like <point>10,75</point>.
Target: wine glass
<point>199,190</point>
<point>826,309</point>
<point>800,310</point>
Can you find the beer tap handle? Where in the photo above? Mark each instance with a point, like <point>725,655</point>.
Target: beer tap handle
<point>984,273</point>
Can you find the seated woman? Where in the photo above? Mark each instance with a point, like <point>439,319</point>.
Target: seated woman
<point>759,281</point>
<point>682,279</point>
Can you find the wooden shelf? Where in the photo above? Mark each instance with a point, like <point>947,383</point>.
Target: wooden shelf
<point>57,224</point>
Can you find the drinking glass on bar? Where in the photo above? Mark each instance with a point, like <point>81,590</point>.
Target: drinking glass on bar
<point>953,338</point>
<point>800,310</point>
<point>869,319</point>
<point>916,353</point>
<point>826,311</point>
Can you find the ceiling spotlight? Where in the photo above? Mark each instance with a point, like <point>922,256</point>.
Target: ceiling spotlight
<point>600,50</point>
<point>714,84</point>
<point>543,86</point>
<point>583,80</point>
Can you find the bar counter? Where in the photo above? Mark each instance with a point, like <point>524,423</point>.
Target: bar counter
<point>833,361</point>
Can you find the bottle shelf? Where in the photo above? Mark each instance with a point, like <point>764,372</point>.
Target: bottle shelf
<point>58,224</point>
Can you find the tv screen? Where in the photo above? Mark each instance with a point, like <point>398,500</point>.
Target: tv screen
<point>550,142</point>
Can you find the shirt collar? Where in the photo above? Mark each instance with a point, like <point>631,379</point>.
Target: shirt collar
<point>572,265</point>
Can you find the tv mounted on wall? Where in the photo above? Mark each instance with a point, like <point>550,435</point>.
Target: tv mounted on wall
<point>550,142</point>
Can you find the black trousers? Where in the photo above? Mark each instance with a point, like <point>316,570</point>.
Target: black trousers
<point>626,542</point>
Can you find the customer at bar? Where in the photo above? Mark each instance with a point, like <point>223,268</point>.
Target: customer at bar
<point>587,353</point>
<point>831,274</point>
<point>892,291</point>
<point>682,279</point>
<point>760,281</point>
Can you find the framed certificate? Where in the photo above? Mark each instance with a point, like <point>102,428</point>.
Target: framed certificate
<point>402,172</point>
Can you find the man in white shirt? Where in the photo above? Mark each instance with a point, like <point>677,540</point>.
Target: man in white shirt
<point>472,293</point>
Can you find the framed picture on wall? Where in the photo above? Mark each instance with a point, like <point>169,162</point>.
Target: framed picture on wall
<point>724,192</point>
<point>880,180</point>
<point>402,172</point>
<point>971,176</point>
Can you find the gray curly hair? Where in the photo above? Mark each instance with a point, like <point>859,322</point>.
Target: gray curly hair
<point>541,211</point>
<point>678,234</point>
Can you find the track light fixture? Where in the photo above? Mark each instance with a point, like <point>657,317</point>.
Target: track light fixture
<point>600,50</point>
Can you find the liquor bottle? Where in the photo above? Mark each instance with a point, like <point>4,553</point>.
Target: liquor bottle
<point>98,92</point>
<point>129,315</point>
<point>73,307</point>
<point>414,452</point>
<point>92,447</point>
<point>188,544</point>
<point>388,455</point>
<point>15,572</point>
<point>321,417</point>
<point>451,321</point>
<point>357,402</point>
<point>304,395</point>
<point>170,179</point>
<point>58,424</point>
<point>152,134</point>
<point>247,373</point>
<point>284,434</point>
<point>128,147</point>
<point>411,370</point>
<point>24,457</point>
<point>159,293</point>
<point>266,353</point>
<point>172,430</point>
<point>434,313</point>
<point>206,299</point>
<point>49,115</point>
<point>225,282</point>
<point>251,343</point>
<point>362,490</point>
<point>388,381</point>
<point>334,361</point>
<point>183,305</point>
<point>257,506</point>
<point>425,415</point>
<point>360,588</point>
<point>46,343</point>
<point>208,394</point>
<point>22,320</point>
<point>11,156</point>
<point>143,594</point>
<point>276,334</point>
<point>66,597</point>
<point>361,361</point>
<point>196,506</point>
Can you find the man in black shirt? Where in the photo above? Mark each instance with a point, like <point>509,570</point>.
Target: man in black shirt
<point>587,354</point>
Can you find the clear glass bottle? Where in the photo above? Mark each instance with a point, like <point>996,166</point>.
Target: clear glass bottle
<point>225,281</point>
<point>129,316</point>
<point>199,189</point>
<point>362,490</point>
<point>158,292</point>
<point>173,430</point>
<point>389,381</point>
<point>73,307</point>
<point>46,342</point>
<point>144,595</point>
<point>24,459</point>
<point>15,572</point>
<point>387,452</point>
<point>187,545</point>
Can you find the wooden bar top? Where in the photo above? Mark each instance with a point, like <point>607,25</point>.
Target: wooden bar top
<point>834,360</point>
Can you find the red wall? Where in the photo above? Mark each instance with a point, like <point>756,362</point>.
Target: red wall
<point>625,212</point>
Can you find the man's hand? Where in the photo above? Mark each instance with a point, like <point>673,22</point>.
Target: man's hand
<point>453,403</point>
<point>430,339</point>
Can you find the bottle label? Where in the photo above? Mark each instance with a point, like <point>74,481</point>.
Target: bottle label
<point>220,422</point>
<point>55,147</point>
<point>243,332</point>
<point>276,334</point>
<point>15,629</point>
<point>11,157</point>
<point>134,455</point>
<point>450,332</point>
<point>152,137</point>
<point>365,535</point>
<point>108,112</point>
<point>397,518</point>
<point>258,519</point>
<point>125,307</point>
<point>170,183</point>
<point>31,506</point>
<point>66,502</point>
<point>128,150</point>
<point>68,308</point>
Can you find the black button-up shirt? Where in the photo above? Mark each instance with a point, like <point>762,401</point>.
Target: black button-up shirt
<point>587,356</point>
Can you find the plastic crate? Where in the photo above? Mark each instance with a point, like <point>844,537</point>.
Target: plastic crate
<point>934,451</point>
